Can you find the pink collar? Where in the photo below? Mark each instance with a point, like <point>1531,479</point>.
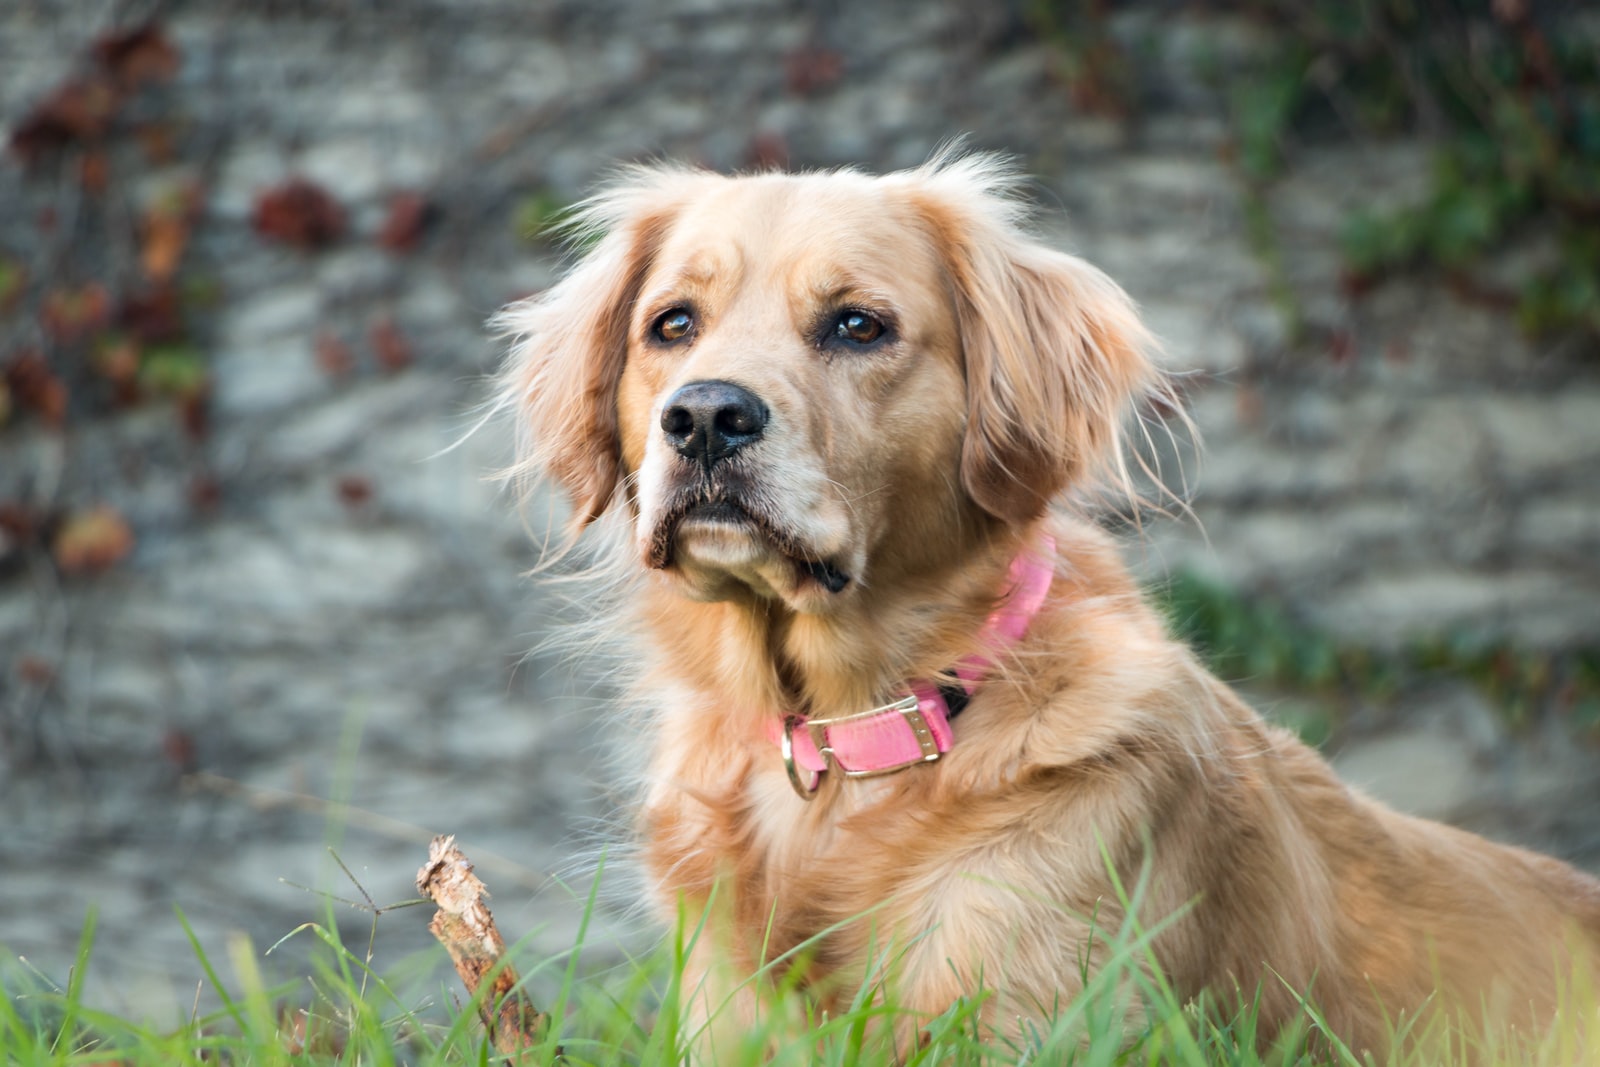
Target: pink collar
<point>916,728</point>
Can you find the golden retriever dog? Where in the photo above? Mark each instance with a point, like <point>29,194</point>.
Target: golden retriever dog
<point>904,698</point>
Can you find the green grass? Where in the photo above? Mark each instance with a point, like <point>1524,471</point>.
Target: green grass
<point>358,1009</point>
<point>349,1012</point>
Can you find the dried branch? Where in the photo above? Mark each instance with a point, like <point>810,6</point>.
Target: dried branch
<point>467,930</point>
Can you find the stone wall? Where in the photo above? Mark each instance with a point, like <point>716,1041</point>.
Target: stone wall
<point>332,647</point>
<point>1421,468</point>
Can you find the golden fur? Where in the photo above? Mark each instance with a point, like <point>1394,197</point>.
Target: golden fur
<point>917,469</point>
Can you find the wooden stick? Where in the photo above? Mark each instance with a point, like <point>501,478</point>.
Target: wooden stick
<point>467,931</point>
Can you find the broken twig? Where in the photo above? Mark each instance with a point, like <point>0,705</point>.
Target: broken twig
<point>467,930</point>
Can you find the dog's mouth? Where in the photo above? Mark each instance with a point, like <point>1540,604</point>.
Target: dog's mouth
<point>711,508</point>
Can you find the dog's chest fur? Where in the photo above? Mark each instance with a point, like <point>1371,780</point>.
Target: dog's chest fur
<point>1112,748</point>
<point>877,859</point>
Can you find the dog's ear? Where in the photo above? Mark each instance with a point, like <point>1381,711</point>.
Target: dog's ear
<point>1054,352</point>
<point>570,343</point>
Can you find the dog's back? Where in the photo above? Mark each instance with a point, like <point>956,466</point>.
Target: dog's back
<point>1424,918</point>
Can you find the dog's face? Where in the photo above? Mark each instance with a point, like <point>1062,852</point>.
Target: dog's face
<point>800,385</point>
<point>792,356</point>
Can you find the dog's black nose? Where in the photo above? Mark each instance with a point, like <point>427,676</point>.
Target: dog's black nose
<point>709,421</point>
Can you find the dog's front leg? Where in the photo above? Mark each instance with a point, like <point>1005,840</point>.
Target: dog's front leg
<point>720,1013</point>
<point>1010,955</point>
<point>731,1012</point>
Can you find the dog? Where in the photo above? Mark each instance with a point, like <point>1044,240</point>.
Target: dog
<point>901,692</point>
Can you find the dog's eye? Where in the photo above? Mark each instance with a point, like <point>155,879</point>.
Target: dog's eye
<point>672,325</point>
<point>857,327</point>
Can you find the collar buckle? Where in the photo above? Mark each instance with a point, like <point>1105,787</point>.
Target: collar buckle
<point>908,707</point>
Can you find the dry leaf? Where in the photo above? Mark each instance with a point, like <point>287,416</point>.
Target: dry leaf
<point>299,213</point>
<point>118,360</point>
<point>166,235</point>
<point>70,314</point>
<point>35,387</point>
<point>354,490</point>
<point>79,110</point>
<point>93,540</point>
<point>154,316</point>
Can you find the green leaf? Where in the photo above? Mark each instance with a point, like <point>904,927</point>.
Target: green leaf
<point>1463,224</point>
<point>538,216</point>
<point>1262,108</point>
<point>173,370</point>
<point>12,278</point>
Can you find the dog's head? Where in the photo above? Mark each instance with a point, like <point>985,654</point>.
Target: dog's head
<point>798,384</point>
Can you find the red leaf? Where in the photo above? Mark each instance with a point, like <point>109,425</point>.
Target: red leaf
<point>70,314</point>
<point>153,316</point>
<point>353,490</point>
<point>299,213</point>
<point>138,55</point>
<point>408,218</point>
<point>92,541</point>
<point>79,110</point>
<point>118,360</point>
<point>389,345</point>
<point>34,386</point>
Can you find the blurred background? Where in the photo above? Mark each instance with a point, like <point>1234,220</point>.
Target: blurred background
<point>254,606</point>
